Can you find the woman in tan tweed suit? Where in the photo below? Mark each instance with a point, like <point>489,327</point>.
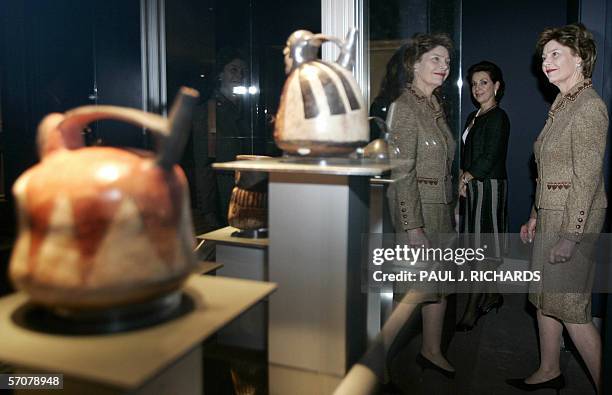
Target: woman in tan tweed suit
<point>423,148</point>
<point>570,205</point>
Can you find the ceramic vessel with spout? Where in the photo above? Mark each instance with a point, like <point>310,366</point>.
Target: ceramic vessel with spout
<point>322,111</point>
<point>248,207</point>
<point>101,227</point>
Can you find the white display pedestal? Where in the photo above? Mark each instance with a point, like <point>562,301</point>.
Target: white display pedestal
<point>318,215</point>
<point>161,359</point>
<point>380,305</point>
<point>248,259</point>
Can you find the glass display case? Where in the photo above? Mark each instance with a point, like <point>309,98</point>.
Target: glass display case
<point>392,23</point>
<point>230,51</point>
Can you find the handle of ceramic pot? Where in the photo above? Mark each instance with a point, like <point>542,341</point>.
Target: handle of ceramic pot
<point>345,58</point>
<point>63,131</point>
<point>321,39</point>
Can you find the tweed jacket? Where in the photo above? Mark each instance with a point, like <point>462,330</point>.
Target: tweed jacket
<point>569,154</point>
<point>483,154</point>
<point>422,151</point>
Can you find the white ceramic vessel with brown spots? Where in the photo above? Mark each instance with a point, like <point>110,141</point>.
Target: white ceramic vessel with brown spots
<point>101,226</point>
<point>322,111</point>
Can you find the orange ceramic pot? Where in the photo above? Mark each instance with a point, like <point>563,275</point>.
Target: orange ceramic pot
<point>99,226</point>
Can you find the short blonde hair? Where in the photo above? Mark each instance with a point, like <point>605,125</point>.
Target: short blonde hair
<point>577,38</point>
<point>419,45</point>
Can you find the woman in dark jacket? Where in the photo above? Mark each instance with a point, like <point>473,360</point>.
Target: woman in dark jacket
<point>483,181</point>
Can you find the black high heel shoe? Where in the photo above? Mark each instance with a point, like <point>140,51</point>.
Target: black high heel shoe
<point>495,305</point>
<point>558,383</point>
<point>425,363</point>
<point>480,312</point>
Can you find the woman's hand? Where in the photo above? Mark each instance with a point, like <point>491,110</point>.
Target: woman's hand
<point>464,179</point>
<point>417,238</point>
<point>463,190</point>
<point>528,230</point>
<point>562,251</point>
<point>457,216</point>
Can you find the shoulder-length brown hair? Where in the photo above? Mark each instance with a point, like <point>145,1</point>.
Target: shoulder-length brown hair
<point>421,44</point>
<point>577,38</point>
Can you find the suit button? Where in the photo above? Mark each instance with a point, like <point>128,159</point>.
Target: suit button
<point>577,226</point>
<point>402,203</point>
<point>405,222</point>
<point>581,212</point>
<point>404,216</point>
<point>579,219</point>
<point>403,210</point>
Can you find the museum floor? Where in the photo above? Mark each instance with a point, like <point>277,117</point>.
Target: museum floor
<point>502,345</point>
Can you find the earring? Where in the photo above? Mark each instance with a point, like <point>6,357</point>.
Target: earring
<point>578,65</point>
<point>495,92</point>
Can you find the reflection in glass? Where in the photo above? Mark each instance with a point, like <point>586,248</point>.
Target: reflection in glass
<point>392,23</point>
<point>231,52</point>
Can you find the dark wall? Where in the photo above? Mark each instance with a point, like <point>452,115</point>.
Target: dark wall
<point>118,72</point>
<point>597,17</point>
<point>505,32</point>
<point>59,54</point>
<point>43,68</point>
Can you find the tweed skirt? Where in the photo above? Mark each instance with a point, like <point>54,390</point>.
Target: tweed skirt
<point>564,289</point>
<point>438,219</point>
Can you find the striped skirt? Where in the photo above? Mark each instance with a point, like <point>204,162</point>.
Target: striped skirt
<point>485,216</point>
